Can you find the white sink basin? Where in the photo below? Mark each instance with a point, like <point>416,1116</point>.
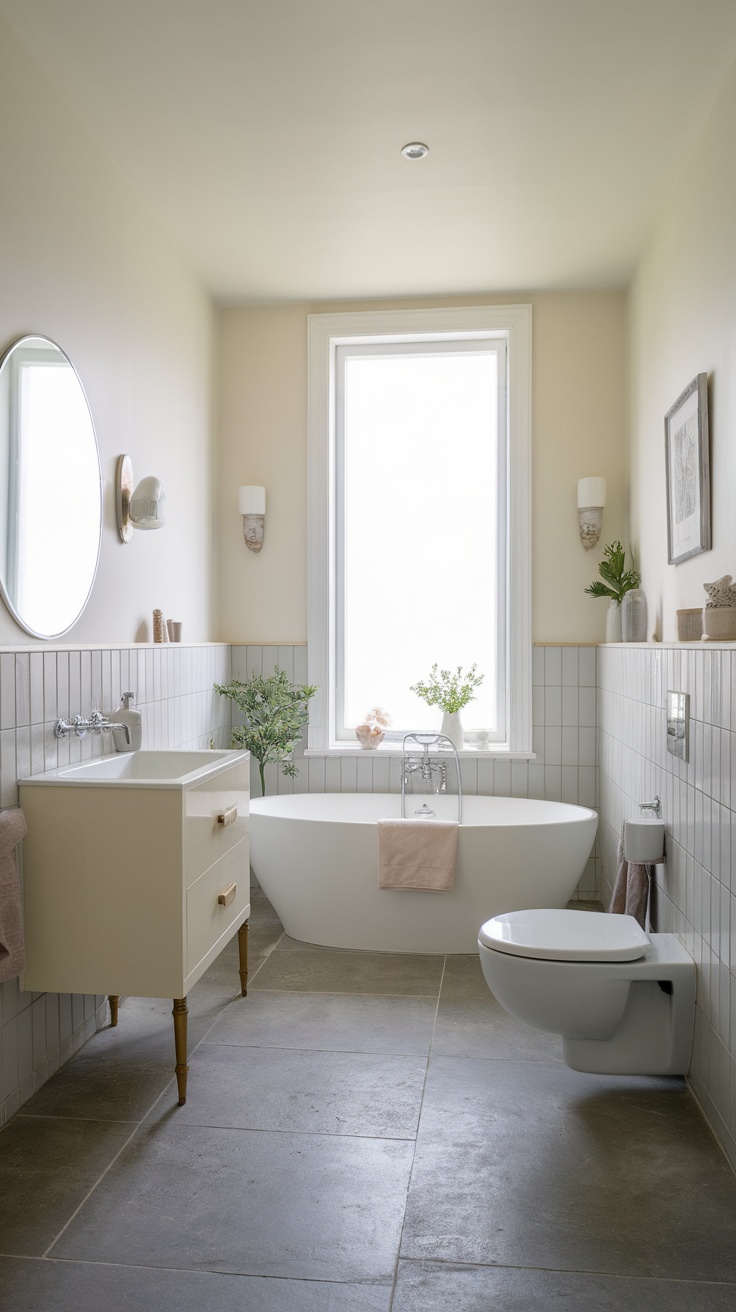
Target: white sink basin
<point>162,768</point>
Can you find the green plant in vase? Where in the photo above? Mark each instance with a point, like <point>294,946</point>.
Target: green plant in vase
<point>451,691</point>
<point>276,714</point>
<point>616,580</point>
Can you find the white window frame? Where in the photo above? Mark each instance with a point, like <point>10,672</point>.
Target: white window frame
<point>328,331</point>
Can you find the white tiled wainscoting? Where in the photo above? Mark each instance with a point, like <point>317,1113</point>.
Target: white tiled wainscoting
<point>173,685</point>
<point>695,890</point>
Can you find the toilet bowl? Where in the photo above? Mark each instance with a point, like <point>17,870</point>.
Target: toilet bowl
<point>623,1000</point>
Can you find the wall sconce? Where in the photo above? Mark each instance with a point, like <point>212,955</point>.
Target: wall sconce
<point>142,508</point>
<point>252,505</point>
<point>591,500</point>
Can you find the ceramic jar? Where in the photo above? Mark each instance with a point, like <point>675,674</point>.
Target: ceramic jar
<point>634,616</point>
<point>452,728</point>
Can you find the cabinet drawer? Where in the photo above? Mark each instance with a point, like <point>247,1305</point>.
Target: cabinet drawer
<point>207,919</point>
<point>206,839</point>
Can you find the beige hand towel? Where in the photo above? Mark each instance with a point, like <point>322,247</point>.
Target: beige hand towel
<point>631,890</point>
<point>13,827</point>
<point>417,854</point>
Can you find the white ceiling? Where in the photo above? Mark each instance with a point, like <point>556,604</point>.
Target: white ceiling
<point>265,135</point>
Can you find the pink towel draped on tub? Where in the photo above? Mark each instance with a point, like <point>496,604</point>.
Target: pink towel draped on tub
<point>13,827</point>
<point>417,854</point>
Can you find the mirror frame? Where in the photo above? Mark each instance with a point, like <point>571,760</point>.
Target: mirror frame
<point>50,637</point>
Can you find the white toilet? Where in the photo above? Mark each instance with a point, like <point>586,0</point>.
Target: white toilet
<point>623,1000</point>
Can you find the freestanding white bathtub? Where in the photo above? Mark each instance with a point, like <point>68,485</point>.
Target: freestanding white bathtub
<point>314,855</point>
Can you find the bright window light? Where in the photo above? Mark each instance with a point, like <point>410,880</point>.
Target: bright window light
<point>420,520</point>
<point>419,542</point>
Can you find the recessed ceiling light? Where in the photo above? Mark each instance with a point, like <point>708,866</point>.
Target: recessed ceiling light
<point>415,150</point>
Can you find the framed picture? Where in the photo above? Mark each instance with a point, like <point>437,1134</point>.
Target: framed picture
<point>688,473</point>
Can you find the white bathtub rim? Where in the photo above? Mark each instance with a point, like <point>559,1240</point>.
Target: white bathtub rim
<point>478,809</point>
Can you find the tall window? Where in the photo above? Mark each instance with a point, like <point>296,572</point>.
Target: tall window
<point>418,469</point>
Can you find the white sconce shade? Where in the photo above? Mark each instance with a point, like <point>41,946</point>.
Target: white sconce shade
<point>252,506</point>
<point>147,504</point>
<point>591,500</point>
<point>142,508</point>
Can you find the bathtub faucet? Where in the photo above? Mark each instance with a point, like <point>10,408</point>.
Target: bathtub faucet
<point>426,768</point>
<point>430,768</point>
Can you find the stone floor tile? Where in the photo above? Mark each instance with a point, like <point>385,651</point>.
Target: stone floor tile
<point>47,1167</point>
<point>304,1092</point>
<point>306,1207</point>
<point>471,1023</point>
<point>40,1286</point>
<point>439,1287</point>
<point>534,1165</point>
<point>104,1087</point>
<point>330,970</point>
<point>329,1022</point>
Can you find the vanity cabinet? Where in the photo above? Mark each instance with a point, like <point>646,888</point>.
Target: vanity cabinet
<point>135,885</point>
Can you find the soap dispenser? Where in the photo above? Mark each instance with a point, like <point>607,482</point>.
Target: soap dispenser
<point>128,715</point>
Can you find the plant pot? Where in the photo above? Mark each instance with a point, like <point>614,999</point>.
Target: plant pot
<point>719,623</point>
<point>453,729</point>
<point>613,621</point>
<point>634,616</point>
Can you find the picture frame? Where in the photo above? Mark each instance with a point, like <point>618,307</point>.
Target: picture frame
<point>687,458</point>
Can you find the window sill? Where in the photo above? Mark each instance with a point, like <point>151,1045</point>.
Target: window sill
<point>396,752</point>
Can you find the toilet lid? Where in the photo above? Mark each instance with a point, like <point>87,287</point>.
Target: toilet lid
<point>557,935</point>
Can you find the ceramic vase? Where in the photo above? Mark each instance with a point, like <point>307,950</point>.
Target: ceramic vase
<point>634,616</point>
<point>453,729</point>
<point>613,621</point>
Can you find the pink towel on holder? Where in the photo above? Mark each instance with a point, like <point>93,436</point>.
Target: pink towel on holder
<point>417,854</point>
<point>13,827</point>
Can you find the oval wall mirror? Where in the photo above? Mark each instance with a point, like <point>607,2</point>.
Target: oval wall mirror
<point>50,487</point>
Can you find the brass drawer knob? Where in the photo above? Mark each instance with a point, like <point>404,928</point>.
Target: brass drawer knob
<point>228,817</point>
<point>226,896</point>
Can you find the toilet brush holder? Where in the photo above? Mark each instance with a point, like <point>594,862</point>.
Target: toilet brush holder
<point>644,841</point>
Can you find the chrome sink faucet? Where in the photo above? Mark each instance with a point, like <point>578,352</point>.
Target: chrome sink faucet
<point>97,723</point>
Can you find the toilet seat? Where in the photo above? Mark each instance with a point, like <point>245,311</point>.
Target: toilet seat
<point>551,934</point>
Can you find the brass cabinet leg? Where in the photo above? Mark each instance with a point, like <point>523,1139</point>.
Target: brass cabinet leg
<point>243,951</point>
<point>180,1013</point>
<point>113,999</point>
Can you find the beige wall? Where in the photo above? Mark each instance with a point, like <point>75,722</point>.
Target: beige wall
<point>682,321</point>
<point>82,262</point>
<point>578,426</point>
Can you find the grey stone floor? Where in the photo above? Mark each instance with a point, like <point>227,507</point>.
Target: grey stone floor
<point>363,1133</point>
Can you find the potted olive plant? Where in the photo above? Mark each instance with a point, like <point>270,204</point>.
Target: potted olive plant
<point>451,692</point>
<point>276,714</point>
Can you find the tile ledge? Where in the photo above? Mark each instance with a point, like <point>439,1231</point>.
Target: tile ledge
<point>695,645</point>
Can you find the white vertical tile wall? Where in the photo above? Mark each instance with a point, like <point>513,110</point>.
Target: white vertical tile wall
<point>564,726</point>
<point>695,890</point>
<point>174,691</point>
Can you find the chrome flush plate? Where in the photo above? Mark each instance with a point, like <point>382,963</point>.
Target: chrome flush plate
<point>678,723</point>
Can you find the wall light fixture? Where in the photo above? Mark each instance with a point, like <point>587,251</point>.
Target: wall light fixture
<point>252,506</point>
<point>591,500</point>
<point>140,508</point>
